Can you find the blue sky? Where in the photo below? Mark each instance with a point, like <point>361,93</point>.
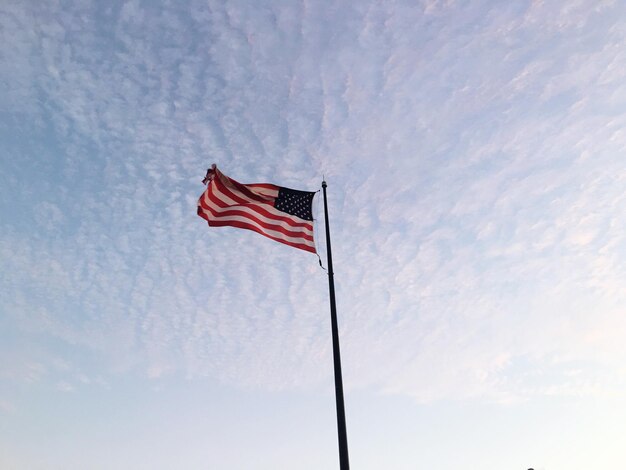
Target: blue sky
<point>475,159</point>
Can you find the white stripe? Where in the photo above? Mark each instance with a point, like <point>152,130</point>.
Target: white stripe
<point>261,191</point>
<point>231,187</point>
<point>273,233</point>
<point>280,216</point>
<point>281,223</point>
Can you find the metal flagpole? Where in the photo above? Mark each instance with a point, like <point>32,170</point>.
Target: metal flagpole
<point>344,463</point>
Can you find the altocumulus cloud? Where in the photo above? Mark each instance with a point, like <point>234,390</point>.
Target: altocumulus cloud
<point>473,153</point>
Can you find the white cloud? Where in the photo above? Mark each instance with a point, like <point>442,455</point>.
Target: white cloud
<point>473,176</point>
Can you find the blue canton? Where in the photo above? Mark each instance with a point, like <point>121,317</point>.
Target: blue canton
<point>295,202</point>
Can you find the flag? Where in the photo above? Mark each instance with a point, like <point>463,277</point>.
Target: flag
<point>282,214</point>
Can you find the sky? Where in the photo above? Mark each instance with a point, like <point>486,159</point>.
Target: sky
<point>475,154</point>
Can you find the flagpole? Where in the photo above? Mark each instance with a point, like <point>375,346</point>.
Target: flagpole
<point>344,463</point>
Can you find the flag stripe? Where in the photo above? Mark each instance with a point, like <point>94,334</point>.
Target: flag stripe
<point>245,222</point>
<point>242,212</point>
<point>235,197</point>
<point>309,248</point>
<point>270,190</point>
<point>241,191</point>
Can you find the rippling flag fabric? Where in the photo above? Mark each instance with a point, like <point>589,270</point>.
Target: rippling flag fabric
<point>282,214</point>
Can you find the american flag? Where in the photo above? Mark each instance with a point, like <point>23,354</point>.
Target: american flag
<point>281,214</point>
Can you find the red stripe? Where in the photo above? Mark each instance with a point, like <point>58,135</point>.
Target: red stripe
<point>256,229</point>
<point>261,185</point>
<point>237,212</point>
<point>223,187</point>
<point>268,190</point>
<point>225,180</point>
<point>202,214</point>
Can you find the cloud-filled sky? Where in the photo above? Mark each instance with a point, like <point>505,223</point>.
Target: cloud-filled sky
<point>475,153</point>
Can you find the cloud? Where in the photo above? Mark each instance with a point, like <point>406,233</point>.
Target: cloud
<point>474,190</point>
<point>64,387</point>
<point>7,407</point>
